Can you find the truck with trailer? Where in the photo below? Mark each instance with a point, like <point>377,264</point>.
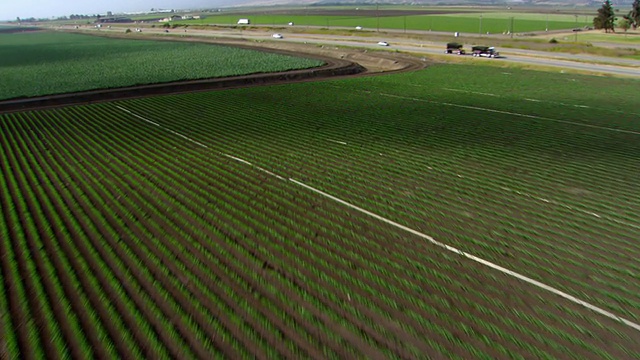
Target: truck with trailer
<point>454,48</point>
<point>484,51</point>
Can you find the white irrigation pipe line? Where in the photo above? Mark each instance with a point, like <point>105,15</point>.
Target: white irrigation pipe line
<point>138,116</point>
<point>477,259</point>
<point>199,143</point>
<point>468,92</point>
<point>158,125</point>
<point>510,113</point>
<point>425,236</point>
<point>605,217</point>
<point>541,118</point>
<point>336,141</point>
<point>536,100</point>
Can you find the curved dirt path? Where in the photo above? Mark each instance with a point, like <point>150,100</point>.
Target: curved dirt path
<point>339,62</point>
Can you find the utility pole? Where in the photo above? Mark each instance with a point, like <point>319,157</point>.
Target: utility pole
<point>480,29</point>
<point>405,24</point>
<point>546,28</point>
<point>377,18</point>
<point>512,27</point>
<point>576,28</point>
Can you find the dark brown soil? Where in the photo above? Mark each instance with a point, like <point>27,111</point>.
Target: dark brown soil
<point>13,30</point>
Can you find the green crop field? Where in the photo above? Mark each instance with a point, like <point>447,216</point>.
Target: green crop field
<point>45,63</point>
<point>469,23</point>
<point>310,221</point>
<point>633,38</point>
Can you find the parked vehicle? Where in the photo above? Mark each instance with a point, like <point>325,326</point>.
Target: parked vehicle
<point>454,48</point>
<point>485,51</point>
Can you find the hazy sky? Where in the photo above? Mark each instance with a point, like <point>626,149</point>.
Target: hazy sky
<point>10,9</point>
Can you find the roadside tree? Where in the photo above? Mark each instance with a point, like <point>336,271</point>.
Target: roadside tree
<point>634,15</point>
<point>606,17</point>
<point>624,24</point>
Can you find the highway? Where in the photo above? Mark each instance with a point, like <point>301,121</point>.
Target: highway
<point>563,61</point>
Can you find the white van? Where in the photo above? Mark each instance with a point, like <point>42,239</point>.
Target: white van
<point>244,22</point>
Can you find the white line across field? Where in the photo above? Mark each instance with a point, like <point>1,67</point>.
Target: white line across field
<point>432,240</point>
<point>467,91</point>
<point>509,113</point>
<point>568,207</point>
<point>537,100</point>
<point>337,142</point>
<point>477,259</point>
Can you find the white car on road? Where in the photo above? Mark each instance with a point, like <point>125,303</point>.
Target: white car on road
<point>383,43</point>
<point>277,36</point>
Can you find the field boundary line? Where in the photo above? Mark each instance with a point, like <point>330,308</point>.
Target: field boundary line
<point>531,196</point>
<point>199,143</point>
<point>417,233</point>
<point>510,113</point>
<point>569,207</point>
<point>536,100</point>
<point>477,259</point>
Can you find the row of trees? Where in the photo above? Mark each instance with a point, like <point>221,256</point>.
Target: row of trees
<point>606,18</point>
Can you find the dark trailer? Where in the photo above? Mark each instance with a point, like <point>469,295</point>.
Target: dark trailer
<point>485,51</point>
<point>454,48</point>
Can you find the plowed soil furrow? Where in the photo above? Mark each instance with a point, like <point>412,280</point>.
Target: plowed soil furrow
<point>60,199</point>
<point>32,267</point>
<point>402,335</point>
<point>109,293</point>
<point>147,286</point>
<point>163,175</point>
<point>139,204</point>
<point>288,255</point>
<point>71,339</point>
<point>561,315</point>
<point>21,319</point>
<point>180,298</point>
<point>414,299</point>
<point>281,144</point>
<point>183,184</point>
<point>385,190</point>
<point>14,319</point>
<point>295,253</point>
<point>179,219</point>
<point>408,253</point>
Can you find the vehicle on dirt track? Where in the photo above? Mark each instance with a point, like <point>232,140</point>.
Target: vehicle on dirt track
<point>383,43</point>
<point>454,48</point>
<point>277,36</point>
<point>485,51</point>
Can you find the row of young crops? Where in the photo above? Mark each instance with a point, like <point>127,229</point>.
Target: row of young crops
<point>131,229</point>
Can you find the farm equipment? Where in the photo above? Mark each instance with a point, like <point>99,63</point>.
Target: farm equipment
<point>454,48</point>
<point>485,51</point>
